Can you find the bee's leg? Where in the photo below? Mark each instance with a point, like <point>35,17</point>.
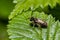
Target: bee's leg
<point>40,31</point>
<point>33,25</point>
<point>39,27</point>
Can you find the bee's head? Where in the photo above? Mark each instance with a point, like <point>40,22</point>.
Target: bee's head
<point>32,19</point>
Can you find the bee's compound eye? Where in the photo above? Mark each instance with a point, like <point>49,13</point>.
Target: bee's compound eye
<point>31,19</point>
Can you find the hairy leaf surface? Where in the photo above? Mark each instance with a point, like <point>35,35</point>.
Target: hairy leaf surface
<point>19,27</point>
<point>24,5</point>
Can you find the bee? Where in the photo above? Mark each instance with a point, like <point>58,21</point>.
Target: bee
<point>37,22</point>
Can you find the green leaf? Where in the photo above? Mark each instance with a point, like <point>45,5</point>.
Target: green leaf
<point>32,4</point>
<point>17,1</point>
<point>19,27</point>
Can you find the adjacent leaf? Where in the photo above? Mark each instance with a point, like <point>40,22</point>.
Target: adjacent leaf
<point>17,1</point>
<point>24,5</point>
<point>19,27</point>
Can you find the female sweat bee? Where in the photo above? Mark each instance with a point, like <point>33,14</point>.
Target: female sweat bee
<point>36,22</point>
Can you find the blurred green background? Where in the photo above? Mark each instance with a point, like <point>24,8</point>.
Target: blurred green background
<point>6,6</point>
